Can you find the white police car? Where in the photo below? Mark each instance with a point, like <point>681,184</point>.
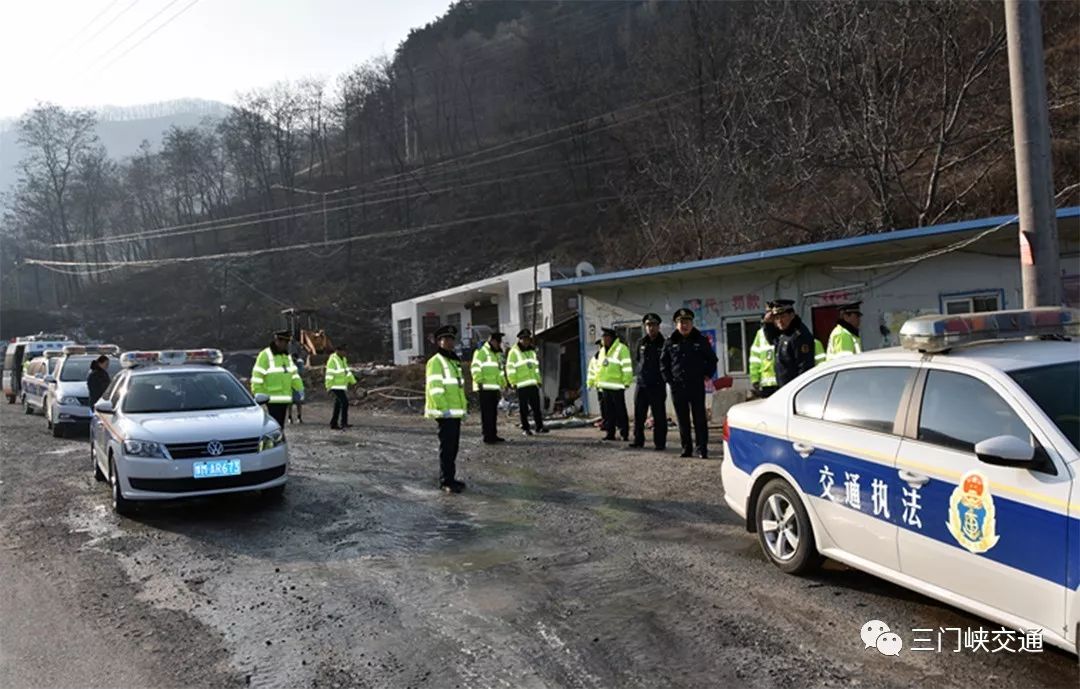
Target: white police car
<point>35,382</point>
<point>174,424</point>
<point>66,402</point>
<point>949,466</point>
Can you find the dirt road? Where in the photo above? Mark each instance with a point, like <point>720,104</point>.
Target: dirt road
<point>568,563</point>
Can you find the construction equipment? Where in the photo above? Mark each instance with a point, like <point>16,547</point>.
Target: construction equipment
<point>313,340</point>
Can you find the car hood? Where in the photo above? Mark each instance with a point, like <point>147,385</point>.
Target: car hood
<point>198,426</point>
<point>72,388</point>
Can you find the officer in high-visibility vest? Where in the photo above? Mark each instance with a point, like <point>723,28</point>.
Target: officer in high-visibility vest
<point>523,373</point>
<point>844,339</point>
<point>338,379</point>
<point>488,379</point>
<point>444,401</point>
<point>762,357</point>
<point>591,378</point>
<point>274,374</point>
<point>616,374</point>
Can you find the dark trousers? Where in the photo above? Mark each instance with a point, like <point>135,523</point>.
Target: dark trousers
<point>603,410</point>
<point>652,397</point>
<point>489,413</point>
<point>341,408</point>
<point>278,412</point>
<point>529,398</point>
<point>449,439</point>
<point>615,416</point>
<point>690,403</point>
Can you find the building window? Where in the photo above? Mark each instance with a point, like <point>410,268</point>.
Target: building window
<point>454,319</point>
<point>739,334</point>
<point>630,334</point>
<point>972,303</point>
<point>404,333</point>
<point>532,309</point>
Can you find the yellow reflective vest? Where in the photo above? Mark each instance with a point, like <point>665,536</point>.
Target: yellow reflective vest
<point>616,367</point>
<point>593,371</point>
<point>842,343</point>
<point>486,369</point>
<point>275,375</point>
<point>762,360</point>
<point>338,375</point>
<point>819,352</point>
<point>522,367</point>
<point>444,392</point>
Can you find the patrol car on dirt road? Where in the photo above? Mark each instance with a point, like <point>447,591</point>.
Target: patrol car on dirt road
<point>949,466</point>
<point>66,400</point>
<point>35,382</point>
<point>173,424</point>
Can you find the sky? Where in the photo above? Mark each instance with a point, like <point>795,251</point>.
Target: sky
<point>87,53</point>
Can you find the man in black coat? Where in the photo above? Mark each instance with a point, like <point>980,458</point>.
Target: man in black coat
<point>688,360</point>
<point>794,343</point>
<point>651,390</point>
<point>97,380</point>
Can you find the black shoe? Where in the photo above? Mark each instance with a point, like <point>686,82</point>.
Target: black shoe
<point>446,487</point>
<point>499,440</point>
<point>660,448</point>
<point>490,441</point>
<point>526,432</point>
<point>335,427</point>
<point>635,446</point>
<point>344,425</point>
<point>686,454</point>
<point>626,438</point>
<point>703,455</point>
<point>609,437</point>
<point>457,486</point>
<point>542,429</point>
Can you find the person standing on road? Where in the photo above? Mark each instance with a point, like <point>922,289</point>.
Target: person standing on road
<point>794,343</point>
<point>338,379</point>
<point>688,360</point>
<point>297,354</point>
<point>444,401</point>
<point>488,378</point>
<point>275,375</point>
<point>591,380</point>
<point>523,373</point>
<point>651,390</point>
<point>762,364</point>
<point>97,380</point>
<point>844,339</point>
<point>616,374</point>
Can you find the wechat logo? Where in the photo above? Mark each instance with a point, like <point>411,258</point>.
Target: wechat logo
<point>876,634</point>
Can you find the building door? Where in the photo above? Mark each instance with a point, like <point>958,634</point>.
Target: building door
<point>824,320</point>
<point>429,324</point>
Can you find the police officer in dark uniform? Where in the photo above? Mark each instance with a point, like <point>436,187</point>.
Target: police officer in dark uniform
<point>794,343</point>
<point>687,361</point>
<point>651,390</point>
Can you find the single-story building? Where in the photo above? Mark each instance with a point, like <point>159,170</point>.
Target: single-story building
<point>952,268</point>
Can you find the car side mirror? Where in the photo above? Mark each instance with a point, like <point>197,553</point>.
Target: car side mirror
<point>262,398</point>
<point>50,379</point>
<point>1006,450</point>
<point>104,407</point>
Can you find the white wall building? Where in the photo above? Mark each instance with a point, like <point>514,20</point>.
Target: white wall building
<point>954,268</point>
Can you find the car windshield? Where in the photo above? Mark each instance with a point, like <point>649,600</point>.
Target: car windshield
<point>1056,389</point>
<point>76,368</point>
<point>153,393</point>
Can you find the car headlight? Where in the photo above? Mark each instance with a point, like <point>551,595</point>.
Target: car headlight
<point>143,448</point>
<point>74,401</point>
<point>271,440</point>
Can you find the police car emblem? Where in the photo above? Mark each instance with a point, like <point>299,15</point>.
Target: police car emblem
<point>972,520</point>
<point>214,448</point>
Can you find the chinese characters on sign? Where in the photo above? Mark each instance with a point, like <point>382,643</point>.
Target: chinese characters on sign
<point>879,496</point>
<point>877,634</point>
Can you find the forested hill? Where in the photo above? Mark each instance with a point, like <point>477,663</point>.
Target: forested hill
<point>624,133</point>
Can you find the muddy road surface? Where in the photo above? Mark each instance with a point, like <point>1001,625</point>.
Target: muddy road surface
<point>567,563</point>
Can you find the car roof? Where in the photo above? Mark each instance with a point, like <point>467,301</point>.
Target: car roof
<point>1004,356</point>
<point>167,368</point>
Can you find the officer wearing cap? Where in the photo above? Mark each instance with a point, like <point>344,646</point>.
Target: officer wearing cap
<point>688,360</point>
<point>616,374</point>
<point>523,373</point>
<point>794,343</point>
<point>591,379</point>
<point>275,375</point>
<point>762,353</point>
<point>444,401</point>
<point>337,380</point>
<point>488,380</point>
<point>844,339</point>
<point>651,390</point>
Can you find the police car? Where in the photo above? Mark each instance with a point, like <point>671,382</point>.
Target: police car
<point>35,382</point>
<point>22,350</point>
<point>174,424</point>
<point>66,402</point>
<point>948,466</point>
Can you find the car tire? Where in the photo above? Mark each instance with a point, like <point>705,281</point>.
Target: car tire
<point>57,430</point>
<point>784,529</point>
<point>121,505</point>
<point>98,474</point>
<point>27,409</point>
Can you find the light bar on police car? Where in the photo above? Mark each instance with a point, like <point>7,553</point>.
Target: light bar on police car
<point>938,333</point>
<point>172,357</point>
<point>53,353</point>
<point>108,349</point>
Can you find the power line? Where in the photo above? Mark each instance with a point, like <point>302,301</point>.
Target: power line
<point>142,40</point>
<point>106,26</point>
<point>131,33</point>
<point>84,28</point>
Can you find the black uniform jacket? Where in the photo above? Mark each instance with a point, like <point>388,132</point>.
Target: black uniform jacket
<point>687,361</point>
<point>648,361</point>
<point>794,352</point>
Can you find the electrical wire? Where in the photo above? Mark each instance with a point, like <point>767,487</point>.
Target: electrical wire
<point>147,36</point>
<point>131,33</point>
<point>84,28</point>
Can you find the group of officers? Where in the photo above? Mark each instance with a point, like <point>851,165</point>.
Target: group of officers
<point>685,362</point>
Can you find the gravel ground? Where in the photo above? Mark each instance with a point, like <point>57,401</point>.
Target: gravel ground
<point>567,563</point>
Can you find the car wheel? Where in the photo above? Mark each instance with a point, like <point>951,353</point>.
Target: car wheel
<point>120,504</point>
<point>98,475</point>
<point>47,410</point>
<point>27,409</point>
<point>57,430</point>
<point>784,529</point>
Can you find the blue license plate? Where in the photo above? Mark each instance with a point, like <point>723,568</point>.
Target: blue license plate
<point>218,467</point>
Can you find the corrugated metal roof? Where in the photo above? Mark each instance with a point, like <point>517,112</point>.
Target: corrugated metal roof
<point>802,249</point>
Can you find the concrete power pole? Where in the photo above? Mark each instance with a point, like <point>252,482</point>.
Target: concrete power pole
<point>1039,260</point>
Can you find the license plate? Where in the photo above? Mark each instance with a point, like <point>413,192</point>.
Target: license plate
<point>218,467</point>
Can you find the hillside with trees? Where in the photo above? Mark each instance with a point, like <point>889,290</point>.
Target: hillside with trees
<point>623,133</point>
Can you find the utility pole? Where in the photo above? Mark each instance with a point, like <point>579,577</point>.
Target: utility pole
<point>323,194</point>
<point>1039,261</point>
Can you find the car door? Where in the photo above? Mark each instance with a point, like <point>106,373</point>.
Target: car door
<point>99,426</point>
<point>995,534</point>
<point>34,383</point>
<point>844,428</point>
